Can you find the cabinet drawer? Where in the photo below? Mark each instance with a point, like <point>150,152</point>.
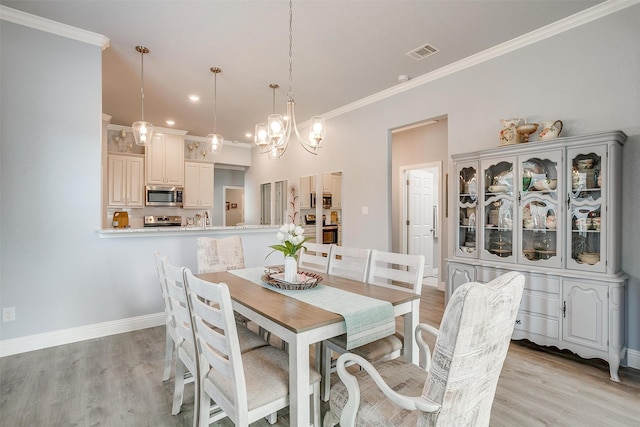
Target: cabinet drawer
<point>540,325</point>
<point>546,284</point>
<point>485,274</point>
<point>536,303</point>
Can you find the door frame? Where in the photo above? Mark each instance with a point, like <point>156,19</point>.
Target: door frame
<point>403,200</point>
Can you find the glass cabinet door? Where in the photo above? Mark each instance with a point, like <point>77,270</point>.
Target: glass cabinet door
<point>586,215</point>
<point>467,210</point>
<point>498,210</point>
<point>540,210</point>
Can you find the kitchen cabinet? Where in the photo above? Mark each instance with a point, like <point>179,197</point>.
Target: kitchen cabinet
<point>336,191</point>
<point>552,211</point>
<point>125,174</point>
<point>165,160</point>
<point>327,183</point>
<point>198,185</point>
<point>307,185</point>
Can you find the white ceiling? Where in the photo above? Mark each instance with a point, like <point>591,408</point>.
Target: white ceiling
<point>343,51</point>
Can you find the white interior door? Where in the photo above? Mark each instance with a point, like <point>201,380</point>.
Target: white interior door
<point>420,212</point>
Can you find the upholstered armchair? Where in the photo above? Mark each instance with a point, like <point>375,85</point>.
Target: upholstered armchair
<point>455,386</point>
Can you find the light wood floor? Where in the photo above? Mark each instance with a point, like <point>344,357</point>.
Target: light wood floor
<point>116,381</point>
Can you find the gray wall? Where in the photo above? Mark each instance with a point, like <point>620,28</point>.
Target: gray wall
<point>588,76</point>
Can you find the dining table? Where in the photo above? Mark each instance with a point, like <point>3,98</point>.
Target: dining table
<point>301,324</point>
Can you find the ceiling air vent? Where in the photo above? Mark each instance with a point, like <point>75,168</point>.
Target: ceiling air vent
<point>423,51</point>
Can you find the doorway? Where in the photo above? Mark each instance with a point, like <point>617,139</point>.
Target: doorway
<point>419,155</point>
<point>420,215</point>
<point>234,205</point>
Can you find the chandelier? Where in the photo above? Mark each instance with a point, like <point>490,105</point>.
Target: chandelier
<point>214,140</point>
<point>142,131</point>
<point>278,130</point>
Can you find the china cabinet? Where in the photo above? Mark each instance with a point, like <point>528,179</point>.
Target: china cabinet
<point>125,174</point>
<point>165,160</point>
<point>198,185</point>
<point>551,210</point>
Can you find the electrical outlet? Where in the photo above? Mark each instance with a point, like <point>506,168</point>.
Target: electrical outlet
<point>8,314</point>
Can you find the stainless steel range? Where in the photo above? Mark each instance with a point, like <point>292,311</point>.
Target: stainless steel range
<point>162,221</point>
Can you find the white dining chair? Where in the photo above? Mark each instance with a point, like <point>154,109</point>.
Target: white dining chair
<point>350,263</point>
<point>455,386</point>
<point>186,364</point>
<point>171,333</point>
<point>186,368</point>
<point>315,257</point>
<point>242,386</point>
<point>402,272</point>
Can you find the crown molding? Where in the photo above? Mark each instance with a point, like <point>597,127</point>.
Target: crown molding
<point>588,15</point>
<point>53,27</point>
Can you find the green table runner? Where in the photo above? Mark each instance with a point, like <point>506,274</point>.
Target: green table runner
<point>367,319</point>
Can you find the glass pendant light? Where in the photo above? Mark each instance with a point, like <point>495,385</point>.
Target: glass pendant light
<point>142,131</point>
<point>214,140</point>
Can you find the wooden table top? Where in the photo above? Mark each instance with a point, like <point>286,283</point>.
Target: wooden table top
<point>296,315</point>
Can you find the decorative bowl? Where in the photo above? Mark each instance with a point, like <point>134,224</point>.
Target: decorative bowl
<point>526,129</point>
<point>305,280</point>
<point>589,257</point>
<point>546,184</point>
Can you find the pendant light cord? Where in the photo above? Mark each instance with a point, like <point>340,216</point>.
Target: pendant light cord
<point>215,97</point>
<point>142,83</point>
<point>290,94</point>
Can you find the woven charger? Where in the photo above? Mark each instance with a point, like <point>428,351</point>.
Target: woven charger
<point>306,280</point>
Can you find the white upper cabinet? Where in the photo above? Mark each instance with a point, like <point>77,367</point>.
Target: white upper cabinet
<point>125,181</point>
<point>198,185</point>
<point>165,160</point>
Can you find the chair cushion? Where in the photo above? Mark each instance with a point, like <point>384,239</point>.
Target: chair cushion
<point>266,372</point>
<point>249,340</point>
<point>375,409</point>
<point>374,350</point>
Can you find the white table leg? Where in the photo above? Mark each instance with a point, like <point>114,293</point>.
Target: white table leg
<point>411,320</point>
<point>299,382</point>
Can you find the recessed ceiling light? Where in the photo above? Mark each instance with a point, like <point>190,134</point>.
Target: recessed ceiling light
<point>171,122</point>
<point>194,98</point>
<point>248,134</point>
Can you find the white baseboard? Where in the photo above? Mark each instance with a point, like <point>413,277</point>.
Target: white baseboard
<point>633,359</point>
<point>67,336</point>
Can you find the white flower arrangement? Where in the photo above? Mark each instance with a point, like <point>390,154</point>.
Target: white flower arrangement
<point>291,240</point>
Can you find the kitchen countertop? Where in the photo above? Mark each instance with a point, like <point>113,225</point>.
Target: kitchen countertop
<point>165,231</point>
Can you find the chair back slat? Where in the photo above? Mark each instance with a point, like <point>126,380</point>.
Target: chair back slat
<point>315,257</point>
<point>217,343</point>
<point>396,271</point>
<point>350,263</point>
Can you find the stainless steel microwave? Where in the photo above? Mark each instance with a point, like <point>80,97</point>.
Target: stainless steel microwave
<point>326,200</point>
<point>158,195</point>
